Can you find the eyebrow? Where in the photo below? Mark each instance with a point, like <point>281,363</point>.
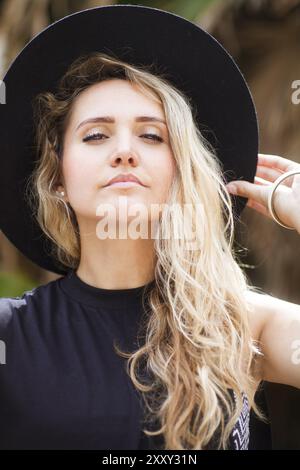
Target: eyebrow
<point>111,120</point>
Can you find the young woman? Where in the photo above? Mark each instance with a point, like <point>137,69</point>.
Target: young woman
<point>198,338</point>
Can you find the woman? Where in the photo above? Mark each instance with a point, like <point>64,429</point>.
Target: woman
<point>199,339</point>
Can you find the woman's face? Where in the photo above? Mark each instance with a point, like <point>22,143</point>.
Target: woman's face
<point>95,152</point>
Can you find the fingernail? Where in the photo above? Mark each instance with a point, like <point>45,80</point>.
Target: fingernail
<point>232,188</point>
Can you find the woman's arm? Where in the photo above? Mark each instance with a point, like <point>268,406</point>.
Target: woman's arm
<point>274,322</point>
<point>277,328</point>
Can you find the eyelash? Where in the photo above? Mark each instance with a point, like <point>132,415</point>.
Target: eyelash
<point>91,137</point>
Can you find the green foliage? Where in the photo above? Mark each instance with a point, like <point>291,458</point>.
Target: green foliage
<point>14,284</point>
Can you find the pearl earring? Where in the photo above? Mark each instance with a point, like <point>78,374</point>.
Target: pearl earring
<point>62,193</point>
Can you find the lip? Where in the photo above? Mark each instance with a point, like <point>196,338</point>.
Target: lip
<point>123,184</point>
<point>124,178</point>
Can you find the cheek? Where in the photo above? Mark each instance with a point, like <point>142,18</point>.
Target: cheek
<point>162,177</point>
<point>79,176</point>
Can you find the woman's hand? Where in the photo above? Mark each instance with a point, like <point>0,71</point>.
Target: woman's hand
<point>286,200</point>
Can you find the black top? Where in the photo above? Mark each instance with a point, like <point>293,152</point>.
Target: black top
<point>62,384</point>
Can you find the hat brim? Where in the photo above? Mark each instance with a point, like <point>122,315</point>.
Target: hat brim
<point>190,57</point>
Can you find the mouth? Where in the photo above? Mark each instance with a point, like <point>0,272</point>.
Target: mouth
<point>124,178</point>
<point>123,184</point>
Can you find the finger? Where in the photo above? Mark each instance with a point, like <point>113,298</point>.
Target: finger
<point>292,181</point>
<point>257,180</point>
<point>258,192</point>
<point>270,174</point>
<point>276,161</point>
<point>261,181</point>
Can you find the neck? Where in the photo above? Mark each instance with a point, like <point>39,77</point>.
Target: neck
<point>116,264</point>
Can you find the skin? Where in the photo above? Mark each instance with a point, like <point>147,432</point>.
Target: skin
<point>274,322</point>
<point>287,195</point>
<point>128,263</point>
<point>88,165</point>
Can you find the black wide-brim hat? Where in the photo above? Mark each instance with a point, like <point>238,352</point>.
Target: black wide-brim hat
<point>189,57</point>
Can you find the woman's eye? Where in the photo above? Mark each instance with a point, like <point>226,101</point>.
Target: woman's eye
<point>153,137</point>
<point>95,136</point>
<point>98,135</point>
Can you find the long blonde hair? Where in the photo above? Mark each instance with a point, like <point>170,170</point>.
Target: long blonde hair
<point>198,343</point>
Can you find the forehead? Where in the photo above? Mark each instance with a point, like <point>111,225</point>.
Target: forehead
<point>115,97</point>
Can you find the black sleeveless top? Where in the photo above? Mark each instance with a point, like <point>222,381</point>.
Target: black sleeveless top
<point>62,384</point>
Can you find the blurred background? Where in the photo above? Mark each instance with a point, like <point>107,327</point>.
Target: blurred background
<point>263,36</point>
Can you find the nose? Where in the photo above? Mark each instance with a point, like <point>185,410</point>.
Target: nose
<point>125,158</point>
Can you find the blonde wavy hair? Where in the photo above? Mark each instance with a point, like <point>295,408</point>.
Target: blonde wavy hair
<point>198,345</point>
